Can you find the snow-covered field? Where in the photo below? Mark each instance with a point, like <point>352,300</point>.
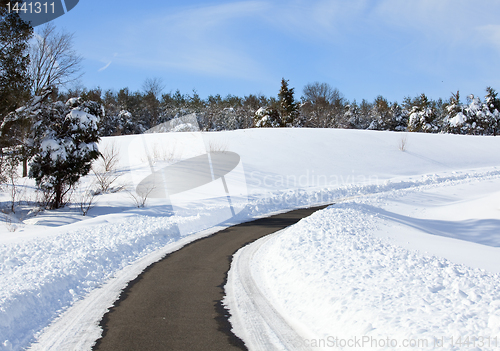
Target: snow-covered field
<point>354,270</point>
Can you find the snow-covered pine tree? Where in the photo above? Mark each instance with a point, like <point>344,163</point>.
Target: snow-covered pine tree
<point>267,118</point>
<point>454,118</point>
<point>65,139</point>
<point>493,105</point>
<point>399,120</point>
<point>422,116</point>
<point>474,118</point>
<point>16,128</point>
<point>352,116</point>
<point>480,121</point>
<point>380,115</point>
<point>126,125</point>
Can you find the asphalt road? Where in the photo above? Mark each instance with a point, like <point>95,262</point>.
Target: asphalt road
<point>175,303</point>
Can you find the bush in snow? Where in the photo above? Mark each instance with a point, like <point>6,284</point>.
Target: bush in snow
<point>65,140</point>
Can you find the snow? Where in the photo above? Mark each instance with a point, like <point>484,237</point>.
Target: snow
<point>82,119</point>
<point>60,271</point>
<point>458,120</point>
<point>377,267</point>
<point>54,149</point>
<point>72,101</point>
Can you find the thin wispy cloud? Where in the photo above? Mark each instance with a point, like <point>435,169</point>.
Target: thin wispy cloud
<point>105,67</point>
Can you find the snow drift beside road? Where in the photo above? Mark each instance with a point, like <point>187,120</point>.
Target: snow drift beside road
<point>378,268</point>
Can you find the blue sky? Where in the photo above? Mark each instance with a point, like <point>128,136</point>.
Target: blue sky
<point>392,48</point>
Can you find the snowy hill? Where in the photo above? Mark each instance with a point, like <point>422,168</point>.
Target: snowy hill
<point>59,259</point>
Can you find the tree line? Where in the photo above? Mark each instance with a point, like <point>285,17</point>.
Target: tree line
<point>320,106</point>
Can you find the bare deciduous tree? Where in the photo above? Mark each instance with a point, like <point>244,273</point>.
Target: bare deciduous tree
<point>53,60</point>
<point>324,104</point>
<point>322,93</point>
<point>154,86</point>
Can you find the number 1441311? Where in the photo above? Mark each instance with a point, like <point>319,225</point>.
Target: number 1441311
<point>37,7</point>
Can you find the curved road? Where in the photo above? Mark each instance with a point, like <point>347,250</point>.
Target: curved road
<point>175,303</point>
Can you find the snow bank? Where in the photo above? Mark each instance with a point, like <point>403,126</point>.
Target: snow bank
<point>43,276</point>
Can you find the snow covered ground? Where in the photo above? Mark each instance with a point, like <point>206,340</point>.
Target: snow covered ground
<point>417,268</point>
<point>60,271</point>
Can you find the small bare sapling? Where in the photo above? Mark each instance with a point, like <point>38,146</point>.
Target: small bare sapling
<point>105,168</point>
<point>403,142</point>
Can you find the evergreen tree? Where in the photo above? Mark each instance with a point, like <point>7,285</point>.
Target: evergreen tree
<point>65,139</point>
<point>14,60</point>
<point>493,105</point>
<point>422,116</point>
<point>125,124</point>
<point>288,108</point>
<point>352,115</point>
<point>399,120</point>
<point>364,114</point>
<point>109,124</point>
<point>17,126</point>
<point>480,121</point>
<point>492,99</point>
<point>267,118</point>
<point>152,91</point>
<point>132,103</point>
<point>454,118</point>
<point>151,109</point>
<point>380,114</point>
